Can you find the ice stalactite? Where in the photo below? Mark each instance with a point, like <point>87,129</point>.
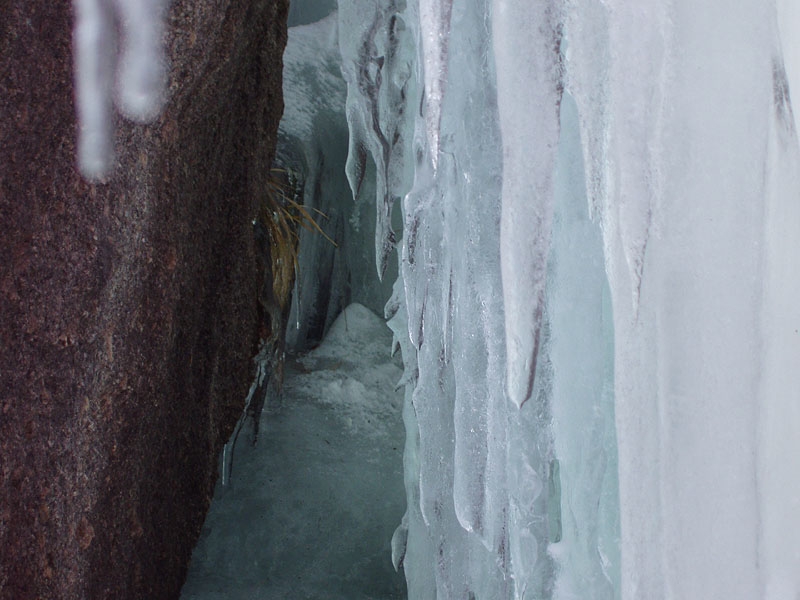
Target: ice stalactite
<point>527,48</point>
<point>434,36</point>
<point>94,74</point>
<point>376,64</point>
<point>612,423</point>
<point>456,538</point>
<point>619,96</point>
<point>343,134</point>
<point>136,60</point>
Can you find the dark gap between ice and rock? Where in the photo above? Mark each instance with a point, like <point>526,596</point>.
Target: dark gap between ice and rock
<point>310,509</point>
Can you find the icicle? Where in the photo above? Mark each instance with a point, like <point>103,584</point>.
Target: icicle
<point>142,71</point>
<point>375,64</point>
<point>140,68</point>
<point>93,40</point>
<point>527,41</point>
<point>399,543</point>
<point>434,18</point>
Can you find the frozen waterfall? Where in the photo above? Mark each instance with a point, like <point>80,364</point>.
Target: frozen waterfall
<point>597,299</point>
<point>594,209</point>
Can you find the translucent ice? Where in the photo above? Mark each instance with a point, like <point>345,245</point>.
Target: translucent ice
<point>526,38</point>
<point>376,63</point>
<point>636,366</point>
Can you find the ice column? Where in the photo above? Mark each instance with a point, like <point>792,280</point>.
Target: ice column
<point>527,45</point>
<point>467,519</point>
<point>693,166</point>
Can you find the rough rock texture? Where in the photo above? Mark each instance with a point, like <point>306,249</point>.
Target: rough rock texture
<point>128,310</point>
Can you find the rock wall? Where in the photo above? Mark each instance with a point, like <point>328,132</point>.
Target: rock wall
<point>128,309</point>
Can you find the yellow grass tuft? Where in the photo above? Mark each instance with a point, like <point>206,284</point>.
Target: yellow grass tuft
<point>282,215</point>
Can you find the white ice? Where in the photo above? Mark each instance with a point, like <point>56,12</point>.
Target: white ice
<point>526,39</point>
<point>698,159</point>
<point>668,307</point>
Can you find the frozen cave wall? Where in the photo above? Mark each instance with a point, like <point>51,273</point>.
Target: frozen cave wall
<point>128,311</point>
<point>313,143</point>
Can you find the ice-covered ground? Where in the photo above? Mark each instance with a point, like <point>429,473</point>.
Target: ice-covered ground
<point>311,508</point>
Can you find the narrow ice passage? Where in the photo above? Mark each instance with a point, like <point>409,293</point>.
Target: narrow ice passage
<point>590,211</point>
<point>310,509</point>
<point>600,206</point>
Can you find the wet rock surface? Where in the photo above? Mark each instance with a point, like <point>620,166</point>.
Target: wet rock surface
<point>128,308</point>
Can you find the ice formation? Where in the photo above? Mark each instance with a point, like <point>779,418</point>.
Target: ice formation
<point>598,273</point>
<point>311,508</point>
<point>138,66</point>
<point>313,142</point>
<point>596,300</point>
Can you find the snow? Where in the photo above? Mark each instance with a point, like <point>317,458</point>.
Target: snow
<point>311,508</point>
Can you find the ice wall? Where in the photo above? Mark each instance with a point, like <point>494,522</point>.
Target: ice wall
<point>313,144</point>
<point>597,310</point>
<point>698,159</point>
<point>474,476</point>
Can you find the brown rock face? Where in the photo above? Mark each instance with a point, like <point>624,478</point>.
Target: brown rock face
<point>127,309</point>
